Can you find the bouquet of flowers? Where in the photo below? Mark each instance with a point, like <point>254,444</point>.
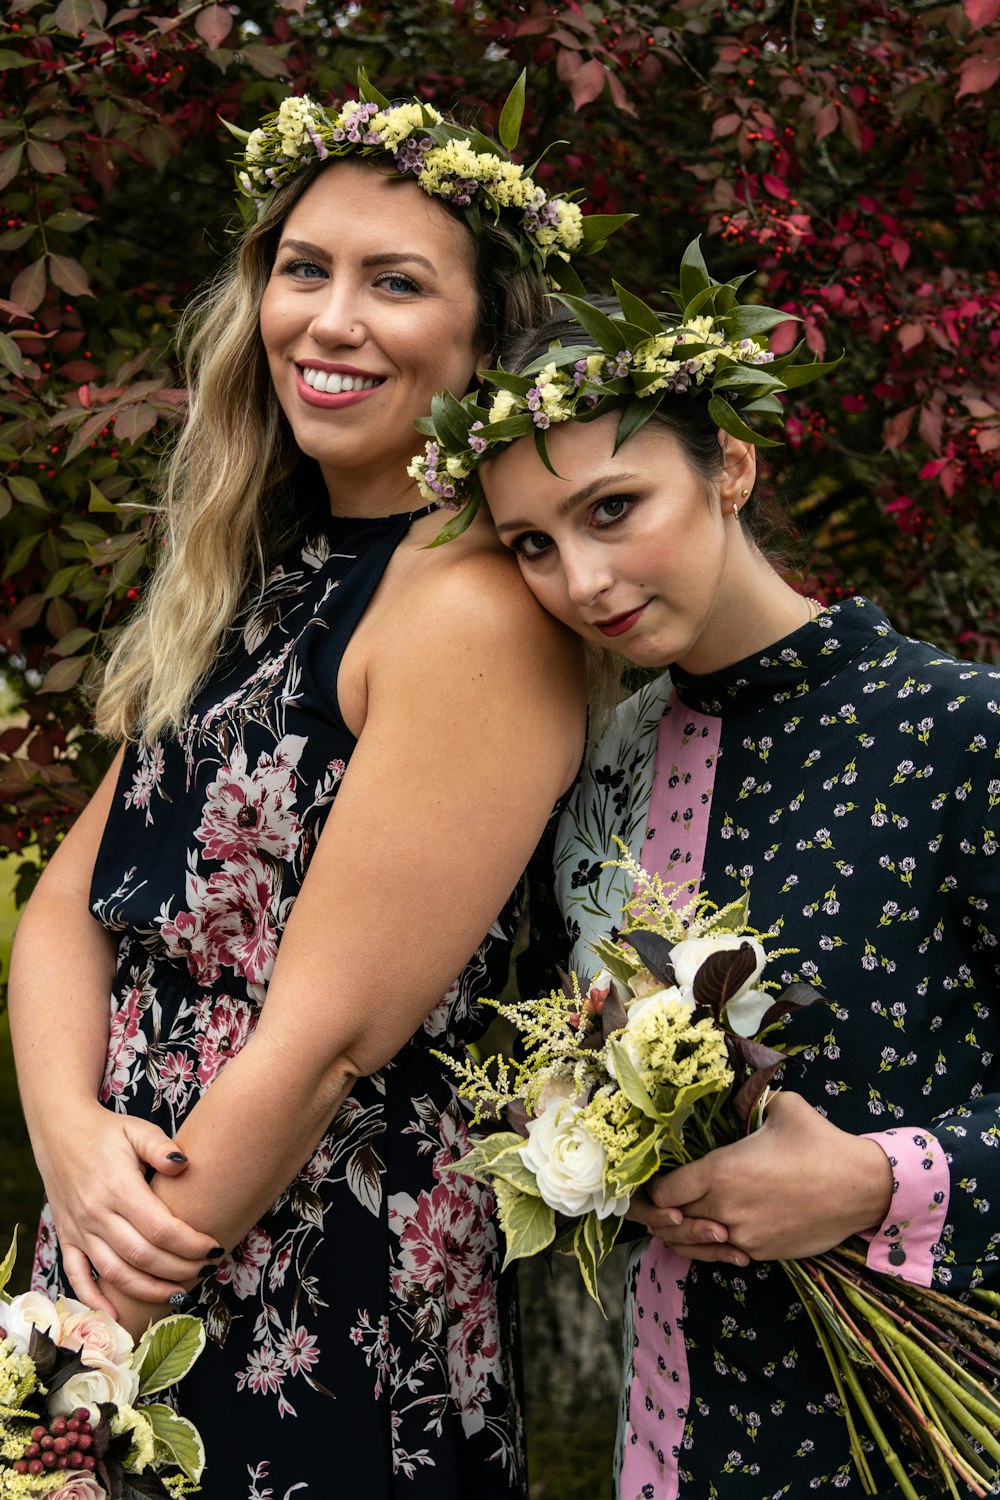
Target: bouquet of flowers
<point>71,1384</point>
<point>664,1056</point>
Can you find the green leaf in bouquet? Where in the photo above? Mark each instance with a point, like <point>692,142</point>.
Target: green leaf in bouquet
<point>7,1268</point>
<point>585,1248</point>
<point>735,917</point>
<point>510,1166</point>
<point>629,1081</point>
<point>614,960</point>
<point>681,1109</point>
<point>528,1223</point>
<point>179,1437</point>
<point>641,1162</point>
<point>478,1162</point>
<point>167,1351</point>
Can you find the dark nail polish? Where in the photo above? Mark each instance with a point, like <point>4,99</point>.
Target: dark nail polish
<point>207,1271</point>
<point>216,1253</point>
<point>182,1301</point>
<point>176,1156</point>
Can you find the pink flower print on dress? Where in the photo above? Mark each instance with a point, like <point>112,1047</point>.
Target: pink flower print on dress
<point>241,1268</point>
<point>186,937</point>
<point>473,1352</point>
<point>175,1078</point>
<point>146,777</point>
<point>298,1351</point>
<point>442,1238</point>
<point>126,1040</point>
<point>253,813</point>
<point>227,1027</point>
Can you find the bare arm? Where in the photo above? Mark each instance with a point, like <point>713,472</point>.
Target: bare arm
<point>474,726</point>
<point>60,982</point>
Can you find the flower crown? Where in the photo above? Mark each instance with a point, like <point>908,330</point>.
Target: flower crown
<point>463,167</point>
<point>633,360</point>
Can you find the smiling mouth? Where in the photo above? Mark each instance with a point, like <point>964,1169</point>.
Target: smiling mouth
<point>332,383</point>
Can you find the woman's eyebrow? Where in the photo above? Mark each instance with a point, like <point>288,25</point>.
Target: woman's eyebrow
<point>383,258</point>
<point>577,498</point>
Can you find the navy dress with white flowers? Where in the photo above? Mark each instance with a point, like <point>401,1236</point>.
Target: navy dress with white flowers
<point>849,779</point>
<point>360,1337</point>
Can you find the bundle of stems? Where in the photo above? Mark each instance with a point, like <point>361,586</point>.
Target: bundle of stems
<point>929,1362</point>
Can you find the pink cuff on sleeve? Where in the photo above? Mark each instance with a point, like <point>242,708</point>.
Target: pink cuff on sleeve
<point>904,1244</point>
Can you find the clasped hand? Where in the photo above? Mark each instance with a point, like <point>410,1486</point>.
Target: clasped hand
<point>797,1186</point>
<point>107,1217</point>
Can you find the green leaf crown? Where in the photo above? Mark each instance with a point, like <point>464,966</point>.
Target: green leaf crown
<point>628,361</point>
<point>463,167</point>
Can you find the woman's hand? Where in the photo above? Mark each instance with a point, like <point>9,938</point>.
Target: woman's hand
<point>107,1217</point>
<point>797,1186</point>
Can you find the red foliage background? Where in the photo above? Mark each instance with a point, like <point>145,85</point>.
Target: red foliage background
<point>850,153</point>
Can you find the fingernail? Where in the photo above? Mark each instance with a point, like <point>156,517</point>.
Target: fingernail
<point>718,1236</point>
<point>182,1301</point>
<point>215,1253</point>
<point>207,1271</point>
<point>176,1156</point>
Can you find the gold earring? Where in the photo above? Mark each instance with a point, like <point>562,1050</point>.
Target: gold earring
<point>745,494</point>
<point>736,510</point>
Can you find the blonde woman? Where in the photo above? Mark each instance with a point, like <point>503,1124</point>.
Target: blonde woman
<point>302,871</point>
<point>846,778</point>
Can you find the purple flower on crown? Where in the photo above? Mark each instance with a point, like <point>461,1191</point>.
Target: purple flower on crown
<point>317,141</point>
<point>339,133</point>
<point>541,419</point>
<point>477,444</point>
<point>533,399</point>
<point>580,373</point>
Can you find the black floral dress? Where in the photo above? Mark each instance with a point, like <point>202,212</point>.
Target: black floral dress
<point>849,778</point>
<point>361,1340</point>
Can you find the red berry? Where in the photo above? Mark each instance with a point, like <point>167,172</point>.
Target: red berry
<point>87,1463</point>
<point>35,1466</point>
<point>84,1441</point>
<point>76,1458</point>
<point>82,1415</point>
<point>72,1424</point>
<point>58,1426</point>
<point>37,1433</point>
<point>61,1445</point>
<point>62,1463</point>
<point>21,1467</point>
<point>32,1450</point>
<point>46,1441</point>
<point>49,1459</point>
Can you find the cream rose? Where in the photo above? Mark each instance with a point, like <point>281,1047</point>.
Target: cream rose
<point>92,1332</point>
<point>30,1310</point>
<point>568,1163</point>
<point>745,1013</point>
<point>98,1381</point>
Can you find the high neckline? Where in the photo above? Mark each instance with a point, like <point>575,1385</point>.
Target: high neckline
<point>792,666</point>
<point>409,516</point>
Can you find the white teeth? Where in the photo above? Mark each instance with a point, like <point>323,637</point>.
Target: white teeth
<point>331,383</point>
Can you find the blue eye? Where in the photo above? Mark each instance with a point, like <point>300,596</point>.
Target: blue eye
<point>302,270</point>
<point>615,508</point>
<point>397,283</point>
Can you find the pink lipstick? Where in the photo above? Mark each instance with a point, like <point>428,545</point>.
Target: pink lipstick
<point>619,624</point>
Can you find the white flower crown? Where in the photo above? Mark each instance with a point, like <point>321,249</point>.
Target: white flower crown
<point>463,167</point>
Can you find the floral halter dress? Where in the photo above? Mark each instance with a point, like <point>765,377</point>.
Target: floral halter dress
<point>361,1339</point>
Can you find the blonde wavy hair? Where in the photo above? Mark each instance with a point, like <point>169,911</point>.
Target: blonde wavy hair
<point>229,490</point>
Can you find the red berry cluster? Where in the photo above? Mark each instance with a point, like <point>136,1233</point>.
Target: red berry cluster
<point>64,1444</point>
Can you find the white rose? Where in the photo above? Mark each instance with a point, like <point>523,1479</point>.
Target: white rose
<point>688,956</point>
<point>568,1163</point>
<point>30,1310</point>
<point>745,1013</point>
<point>99,1381</point>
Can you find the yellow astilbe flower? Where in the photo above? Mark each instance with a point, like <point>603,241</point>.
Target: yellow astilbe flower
<point>615,1123</point>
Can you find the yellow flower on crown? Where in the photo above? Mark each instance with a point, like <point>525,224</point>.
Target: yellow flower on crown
<point>505,403</point>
